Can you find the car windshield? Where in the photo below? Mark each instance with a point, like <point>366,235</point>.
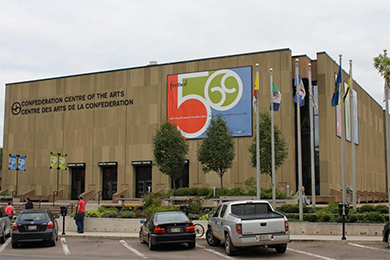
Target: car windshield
<point>168,217</point>
<point>32,216</point>
<point>250,208</point>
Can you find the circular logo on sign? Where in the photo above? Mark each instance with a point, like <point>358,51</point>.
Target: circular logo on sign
<point>16,108</point>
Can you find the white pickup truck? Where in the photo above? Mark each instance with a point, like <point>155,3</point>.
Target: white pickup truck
<point>248,223</point>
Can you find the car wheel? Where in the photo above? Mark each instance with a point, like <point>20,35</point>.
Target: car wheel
<point>150,244</point>
<point>52,242</point>
<point>191,245</point>
<point>388,238</point>
<point>141,239</point>
<point>210,238</point>
<point>281,248</point>
<point>14,245</point>
<point>229,247</point>
<point>2,237</point>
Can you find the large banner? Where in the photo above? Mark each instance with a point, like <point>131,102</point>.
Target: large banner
<point>194,98</point>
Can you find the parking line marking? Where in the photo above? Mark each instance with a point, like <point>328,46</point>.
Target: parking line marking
<point>369,247</point>
<point>135,251</point>
<point>215,252</point>
<point>65,246</point>
<point>5,244</point>
<point>310,254</point>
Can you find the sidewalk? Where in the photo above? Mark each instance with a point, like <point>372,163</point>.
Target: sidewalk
<point>117,235</point>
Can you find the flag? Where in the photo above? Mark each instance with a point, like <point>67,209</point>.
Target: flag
<point>336,94</point>
<point>347,90</point>
<point>312,98</point>
<point>300,88</point>
<point>256,92</point>
<point>53,161</point>
<point>276,97</point>
<point>12,162</point>
<point>22,163</point>
<point>62,161</point>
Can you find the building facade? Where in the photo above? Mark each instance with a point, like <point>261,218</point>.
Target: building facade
<point>104,123</point>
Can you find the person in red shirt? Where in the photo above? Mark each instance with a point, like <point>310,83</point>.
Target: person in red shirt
<point>80,214</point>
<point>9,210</point>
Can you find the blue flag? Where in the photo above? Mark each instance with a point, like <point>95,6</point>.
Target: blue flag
<point>22,163</point>
<point>300,89</point>
<point>336,94</point>
<point>12,162</point>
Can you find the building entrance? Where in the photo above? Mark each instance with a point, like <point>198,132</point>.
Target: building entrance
<point>78,182</point>
<point>109,182</point>
<point>143,180</point>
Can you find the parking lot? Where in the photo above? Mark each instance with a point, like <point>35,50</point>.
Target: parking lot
<point>131,248</point>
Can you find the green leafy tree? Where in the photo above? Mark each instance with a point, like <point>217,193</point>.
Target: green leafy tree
<point>169,151</point>
<point>382,64</point>
<point>216,153</point>
<point>281,150</point>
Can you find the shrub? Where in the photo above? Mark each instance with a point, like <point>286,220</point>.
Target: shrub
<point>195,204</point>
<point>352,219</point>
<point>373,217</point>
<point>153,199</point>
<point>203,191</point>
<point>382,209</point>
<point>333,207</point>
<point>182,192</point>
<point>110,214</point>
<point>169,193</point>
<point>366,208</point>
<point>323,215</point>
<point>192,191</point>
<point>93,214</point>
<point>151,209</point>
<point>310,217</point>
<point>127,214</point>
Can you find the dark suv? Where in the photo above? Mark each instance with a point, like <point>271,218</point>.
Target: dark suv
<point>35,225</point>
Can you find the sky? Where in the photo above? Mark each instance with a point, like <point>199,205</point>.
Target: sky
<point>45,39</point>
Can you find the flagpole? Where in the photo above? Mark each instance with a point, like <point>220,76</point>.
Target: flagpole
<point>341,90</point>
<point>257,138</point>
<point>313,175</point>
<point>387,135</point>
<point>351,105</point>
<point>299,140</point>
<point>272,143</point>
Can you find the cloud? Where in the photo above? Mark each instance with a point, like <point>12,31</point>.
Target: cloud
<point>45,39</point>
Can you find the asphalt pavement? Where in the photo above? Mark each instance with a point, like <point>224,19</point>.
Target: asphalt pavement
<point>292,237</point>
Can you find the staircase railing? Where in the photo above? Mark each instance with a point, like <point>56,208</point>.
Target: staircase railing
<point>53,193</point>
<point>99,193</point>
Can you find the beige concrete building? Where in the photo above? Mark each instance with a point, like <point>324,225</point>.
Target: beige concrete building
<point>104,123</point>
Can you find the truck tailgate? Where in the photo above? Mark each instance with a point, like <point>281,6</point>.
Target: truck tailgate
<point>263,226</point>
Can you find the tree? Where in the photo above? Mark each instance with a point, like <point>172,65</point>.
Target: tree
<point>281,150</point>
<point>169,151</point>
<point>382,64</point>
<point>216,152</point>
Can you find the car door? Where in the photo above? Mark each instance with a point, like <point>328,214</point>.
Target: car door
<point>145,229</point>
<point>219,222</point>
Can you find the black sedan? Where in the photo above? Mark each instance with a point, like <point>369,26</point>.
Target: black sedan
<point>386,233</point>
<point>167,227</point>
<point>34,225</point>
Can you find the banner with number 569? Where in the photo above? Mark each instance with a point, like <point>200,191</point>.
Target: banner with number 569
<point>194,98</point>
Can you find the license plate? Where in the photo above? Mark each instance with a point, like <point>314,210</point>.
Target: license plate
<point>175,230</point>
<point>32,227</point>
<point>263,237</point>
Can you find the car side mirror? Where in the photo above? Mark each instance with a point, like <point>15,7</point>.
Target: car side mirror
<point>211,215</point>
<point>142,221</point>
